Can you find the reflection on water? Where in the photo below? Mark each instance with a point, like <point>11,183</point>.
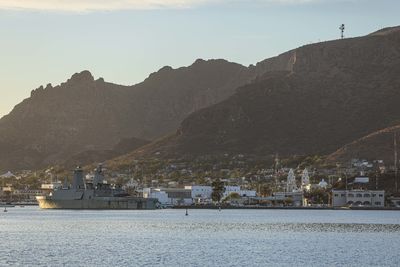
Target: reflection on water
<point>30,236</point>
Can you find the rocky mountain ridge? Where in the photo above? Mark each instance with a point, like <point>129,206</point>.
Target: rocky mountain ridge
<point>87,114</point>
<point>310,100</point>
<point>326,96</point>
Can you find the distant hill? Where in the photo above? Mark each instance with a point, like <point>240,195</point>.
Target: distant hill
<point>328,95</point>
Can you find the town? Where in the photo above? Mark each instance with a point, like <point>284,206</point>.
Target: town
<point>236,181</point>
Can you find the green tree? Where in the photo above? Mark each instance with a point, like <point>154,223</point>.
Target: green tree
<point>232,197</point>
<point>217,190</point>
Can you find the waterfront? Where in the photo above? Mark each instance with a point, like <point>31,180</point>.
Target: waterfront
<point>34,237</point>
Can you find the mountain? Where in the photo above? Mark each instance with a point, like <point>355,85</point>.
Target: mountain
<point>310,100</point>
<point>125,146</point>
<point>84,114</point>
<point>325,96</point>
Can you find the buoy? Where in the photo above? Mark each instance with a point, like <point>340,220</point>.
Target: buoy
<point>5,209</point>
<point>219,208</point>
<point>187,212</point>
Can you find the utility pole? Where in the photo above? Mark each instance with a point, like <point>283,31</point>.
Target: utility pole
<point>276,171</point>
<point>395,162</point>
<point>341,28</point>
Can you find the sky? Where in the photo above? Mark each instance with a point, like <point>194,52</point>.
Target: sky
<point>123,41</point>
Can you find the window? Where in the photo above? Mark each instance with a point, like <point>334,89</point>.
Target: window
<point>343,195</point>
<point>336,195</point>
<point>378,203</point>
<point>380,195</point>
<point>373,195</point>
<point>367,195</point>
<point>351,195</point>
<point>359,195</point>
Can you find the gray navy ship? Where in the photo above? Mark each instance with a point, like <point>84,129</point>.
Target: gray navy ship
<point>93,195</point>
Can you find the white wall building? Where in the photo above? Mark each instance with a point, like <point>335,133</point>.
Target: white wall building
<point>236,189</point>
<point>169,196</point>
<point>200,191</point>
<point>203,192</point>
<point>369,198</point>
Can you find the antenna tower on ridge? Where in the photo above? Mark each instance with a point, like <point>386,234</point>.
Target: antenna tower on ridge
<point>341,28</point>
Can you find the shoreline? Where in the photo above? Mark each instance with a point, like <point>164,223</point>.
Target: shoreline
<point>286,208</point>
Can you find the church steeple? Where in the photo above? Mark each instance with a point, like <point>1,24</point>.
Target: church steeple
<point>291,181</point>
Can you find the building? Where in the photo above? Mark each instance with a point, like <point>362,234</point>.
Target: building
<point>169,196</point>
<point>7,175</point>
<point>368,198</point>
<point>291,181</point>
<point>202,193</point>
<point>241,192</point>
<point>394,201</point>
<point>296,197</point>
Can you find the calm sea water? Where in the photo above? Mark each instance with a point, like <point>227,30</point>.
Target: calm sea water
<point>33,237</point>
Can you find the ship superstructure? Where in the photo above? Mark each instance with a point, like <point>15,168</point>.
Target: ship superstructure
<point>97,194</point>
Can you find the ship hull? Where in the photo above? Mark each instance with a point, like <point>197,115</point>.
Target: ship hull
<point>121,203</point>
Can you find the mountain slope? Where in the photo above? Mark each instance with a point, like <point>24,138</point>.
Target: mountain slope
<point>331,94</point>
<point>377,145</point>
<point>85,114</point>
<point>97,156</point>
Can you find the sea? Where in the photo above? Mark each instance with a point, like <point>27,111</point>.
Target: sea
<point>30,236</point>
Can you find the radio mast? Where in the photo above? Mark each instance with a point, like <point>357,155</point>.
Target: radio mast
<point>341,28</point>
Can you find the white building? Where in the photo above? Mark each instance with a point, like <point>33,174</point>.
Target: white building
<point>202,193</point>
<point>236,189</point>
<point>368,198</point>
<point>7,175</point>
<point>169,196</point>
<point>157,193</point>
<point>323,184</point>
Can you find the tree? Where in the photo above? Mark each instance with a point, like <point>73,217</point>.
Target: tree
<point>217,190</point>
<point>232,197</point>
<point>318,196</point>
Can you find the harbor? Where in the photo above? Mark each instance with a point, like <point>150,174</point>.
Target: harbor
<point>205,237</point>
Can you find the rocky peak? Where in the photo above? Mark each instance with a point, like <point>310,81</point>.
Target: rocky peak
<point>81,77</point>
<point>205,63</point>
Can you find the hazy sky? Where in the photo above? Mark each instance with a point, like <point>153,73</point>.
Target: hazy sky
<point>123,41</point>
